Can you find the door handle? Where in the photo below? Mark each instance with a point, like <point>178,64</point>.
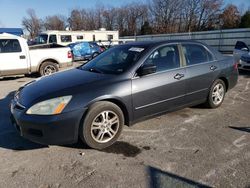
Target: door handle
<point>178,76</point>
<point>22,57</point>
<point>213,67</point>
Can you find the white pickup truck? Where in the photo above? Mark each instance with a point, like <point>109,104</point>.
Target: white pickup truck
<point>17,58</point>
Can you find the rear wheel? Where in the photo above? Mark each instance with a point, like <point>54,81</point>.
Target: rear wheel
<point>216,94</point>
<point>102,125</point>
<point>48,68</point>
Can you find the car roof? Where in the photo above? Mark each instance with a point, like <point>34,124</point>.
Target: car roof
<point>159,42</point>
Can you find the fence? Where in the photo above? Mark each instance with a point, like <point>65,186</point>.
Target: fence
<point>222,40</point>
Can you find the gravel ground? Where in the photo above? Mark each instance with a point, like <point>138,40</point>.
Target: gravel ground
<point>193,147</point>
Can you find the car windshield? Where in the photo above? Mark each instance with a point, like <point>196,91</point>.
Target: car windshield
<point>42,39</point>
<point>116,60</point>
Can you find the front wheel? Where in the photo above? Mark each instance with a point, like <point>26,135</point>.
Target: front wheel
<point>102,125</point>
<point>216,94</point>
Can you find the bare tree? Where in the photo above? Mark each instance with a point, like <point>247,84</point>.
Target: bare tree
<point>109,16</point>
<point>98,15</point>
<point>189,12</point>
<point>121,21</point>
<point>163,12</point>
<point>85,19</point>
<point>209,12</point>
<point>134,16</point>
<point>32,23</point>
<point>230,17</point>
<point>90,22</point>
<point>159,16</point>
<point>56,22</point>
<point>76,20</point>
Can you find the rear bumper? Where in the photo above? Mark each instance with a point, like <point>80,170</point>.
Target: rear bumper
<point>48,130</point>
<point>233,79</point>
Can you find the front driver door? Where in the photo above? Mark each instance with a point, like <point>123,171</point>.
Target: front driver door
<point>163,90</point>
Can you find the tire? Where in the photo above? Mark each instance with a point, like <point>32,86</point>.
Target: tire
<point>94,55</point>
<point>48,68</point>
<point>216,94</point>
<point>97,131</point>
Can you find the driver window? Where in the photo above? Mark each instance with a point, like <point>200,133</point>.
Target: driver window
<point>165,58</point>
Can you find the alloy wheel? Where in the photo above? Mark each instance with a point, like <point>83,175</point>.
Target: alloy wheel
<point>218,93</point>
<point>105,126</point>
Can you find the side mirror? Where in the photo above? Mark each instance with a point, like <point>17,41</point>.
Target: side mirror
<point>245,49</point>
<point>146,69</point>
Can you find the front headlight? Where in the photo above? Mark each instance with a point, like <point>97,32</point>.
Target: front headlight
<point>50,107</point>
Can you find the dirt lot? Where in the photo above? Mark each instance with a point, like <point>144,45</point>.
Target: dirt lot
<point>192,147</point>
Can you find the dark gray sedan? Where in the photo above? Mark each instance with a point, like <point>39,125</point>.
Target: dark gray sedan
<point>121,86</point>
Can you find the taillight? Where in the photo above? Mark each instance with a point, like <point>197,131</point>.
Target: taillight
<point>69,54</point>
<point>236,65</point>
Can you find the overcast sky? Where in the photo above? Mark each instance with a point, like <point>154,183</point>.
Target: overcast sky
<point>12,11</point>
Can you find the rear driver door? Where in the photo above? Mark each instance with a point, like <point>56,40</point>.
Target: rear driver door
<point>202,69</point>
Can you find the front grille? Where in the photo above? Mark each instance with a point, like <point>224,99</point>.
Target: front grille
<point>35,132</point>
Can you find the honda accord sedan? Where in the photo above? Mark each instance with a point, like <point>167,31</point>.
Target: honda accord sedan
<point>124,85</point>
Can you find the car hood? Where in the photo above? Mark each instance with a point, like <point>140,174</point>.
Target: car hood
<point>56,85</point>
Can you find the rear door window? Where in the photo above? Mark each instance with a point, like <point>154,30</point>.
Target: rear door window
<point>196,54</point>
<point>9,46</point>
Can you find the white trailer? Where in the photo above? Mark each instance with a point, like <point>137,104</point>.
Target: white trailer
<point>102,35</point>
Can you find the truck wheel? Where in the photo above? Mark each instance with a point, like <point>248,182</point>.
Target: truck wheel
<point>48,68</point>
<point>216,94</point>
<point>102,125</point>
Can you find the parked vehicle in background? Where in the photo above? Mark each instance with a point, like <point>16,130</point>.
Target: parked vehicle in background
<point>66,37</point>
<point>13,31</point>
<point>17,58</point>
<point>123,85</point>
<point>85,50</point>
<point>242,55</point>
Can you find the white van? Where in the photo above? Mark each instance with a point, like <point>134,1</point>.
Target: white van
<point>66,37</point>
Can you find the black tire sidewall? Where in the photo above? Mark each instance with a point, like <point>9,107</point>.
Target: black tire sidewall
<point>94,55</point>
<point>85,127</point>
<point>46,63</point>
<point>210,102</point>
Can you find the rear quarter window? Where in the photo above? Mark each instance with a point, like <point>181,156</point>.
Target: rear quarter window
<point>9,46</point>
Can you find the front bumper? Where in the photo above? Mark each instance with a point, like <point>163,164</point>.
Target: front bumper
<point>49,129</point>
